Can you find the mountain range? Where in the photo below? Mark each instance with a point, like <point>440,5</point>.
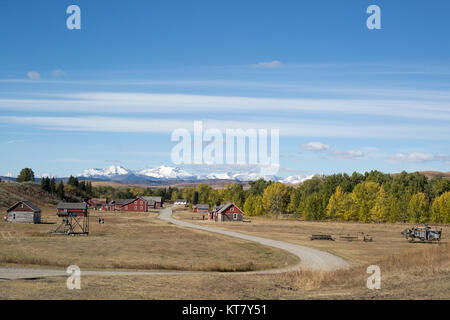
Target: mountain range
<point>166,173</point>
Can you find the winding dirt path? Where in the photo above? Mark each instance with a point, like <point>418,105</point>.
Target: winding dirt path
<point>310,258</point>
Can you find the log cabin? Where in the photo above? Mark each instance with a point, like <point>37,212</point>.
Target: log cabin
<point>23,212</point>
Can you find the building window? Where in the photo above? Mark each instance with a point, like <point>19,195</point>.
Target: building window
<point>235,216</point>
<point>141,208</point>
<point>232,209</point>
<point>135,207</point>
<point>14,216</point>
<point>20,205</point>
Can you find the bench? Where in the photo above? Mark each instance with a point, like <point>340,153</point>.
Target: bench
<point>321,237</point>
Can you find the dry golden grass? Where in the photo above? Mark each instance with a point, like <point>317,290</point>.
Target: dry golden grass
<point>408,270</point>
<point>387,238</point>
<point>424,274</point>
<point>137,241</point>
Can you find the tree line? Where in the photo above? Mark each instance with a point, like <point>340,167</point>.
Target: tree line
<point>370,197</point>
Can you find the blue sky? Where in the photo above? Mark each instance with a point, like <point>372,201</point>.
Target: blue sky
<point>345,98</point>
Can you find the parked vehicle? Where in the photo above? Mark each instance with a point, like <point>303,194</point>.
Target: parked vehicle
<point>425,233</point>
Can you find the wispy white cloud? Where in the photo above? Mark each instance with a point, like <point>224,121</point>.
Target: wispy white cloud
<point>351,154</point>
<point>316,146</point>
<point>269,64</point>
<point>58,73</point>
<point>110,102</point>
<point>417,157</point>
<point>286,127</point>
<point>15,141</point>
<point>33,75</point>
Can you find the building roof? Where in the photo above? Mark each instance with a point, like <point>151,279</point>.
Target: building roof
<point>27,203</point>
<point>123,201</point>
<point>72,205</point>
<point>202,206</point>
<point>226,206</point>
<point>98,202</point>
<point>181,200</point>
<point>156,199</point>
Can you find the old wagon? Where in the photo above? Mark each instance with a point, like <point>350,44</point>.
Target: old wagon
<point>425,233</point>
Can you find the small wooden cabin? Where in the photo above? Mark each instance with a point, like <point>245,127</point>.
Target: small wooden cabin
<point>157,201</point>
<point>201,208</point>
<point>227,212</point>
<point>23,212</point>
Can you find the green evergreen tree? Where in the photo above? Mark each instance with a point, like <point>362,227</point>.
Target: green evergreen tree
<point>25,175</point>
<point>195,198</point>
<point>60,191</point>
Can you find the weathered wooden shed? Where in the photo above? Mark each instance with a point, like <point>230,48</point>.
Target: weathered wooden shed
<point>23,212</point>
<point>157,201</point>
<point>201,208</point>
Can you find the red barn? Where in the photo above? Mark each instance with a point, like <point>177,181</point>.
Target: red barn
<point>97,203</point>
<point>72,209</point>
<point>227,212</point>
<point>107,207</point>
<point>117,204</point>
<point>137,205</point>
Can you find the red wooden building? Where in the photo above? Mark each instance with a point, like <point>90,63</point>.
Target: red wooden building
<point>117,204</point>
<point>71,209</point>
<point>137,205</point>
<point>227,212</point>
<point>97,203</point>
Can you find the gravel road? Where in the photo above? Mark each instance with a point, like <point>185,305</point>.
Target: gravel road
<point>310,258</point>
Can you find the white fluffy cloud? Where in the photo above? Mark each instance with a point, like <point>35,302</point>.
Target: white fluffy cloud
<point>270,64</point>
<point>316,146</point>
<point>351,154</point>
<point>33,75</point>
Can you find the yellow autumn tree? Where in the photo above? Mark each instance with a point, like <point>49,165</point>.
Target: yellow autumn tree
<point>338,207</point>
<point>253,205</point>
<point>364,197</point>
<point>440,210</point>
<point>380,211</point>
<point>418,209</point>
<point>276,198</point>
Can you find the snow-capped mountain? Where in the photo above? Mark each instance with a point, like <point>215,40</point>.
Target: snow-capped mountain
<point>297,179</point>
<point>111,171</point>
<point>46,175</point>
<point>164,172</point>
<point>161,173</point>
